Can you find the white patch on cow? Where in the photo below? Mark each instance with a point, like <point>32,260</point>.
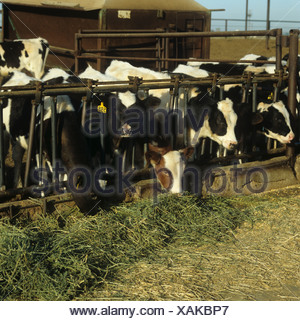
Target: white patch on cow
<point>270,68</point>
<point>122,70</point>
<point>175,163</point>
<point>255,69</point>
<point>63,103</point>
<point>127,98</point>
<point>22,141</point>
<point>91,73</point>
<point>199,63</point>
<point>19,79</point>
<point>279,105</point>
<point>191,71</point>
<point>229,86</point>
<point>248,57</point>
<point>55,73</point>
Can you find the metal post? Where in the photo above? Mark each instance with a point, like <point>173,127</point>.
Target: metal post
<point>278,49</point>
<point>30,142</point>
<point>2,156</point>
<point>185,124</point>
<point>268,24</point>
<point>246,16</point>
<point>53,137</point>
<point>292,99</point>
<point>268,16</point>
<point>41,133</point>
<point>254,96</point>
<point>76,54</point>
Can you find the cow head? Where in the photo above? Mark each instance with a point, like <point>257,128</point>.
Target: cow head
<point>222,122</point>
<point>275,120</point>
<point>169,167</point>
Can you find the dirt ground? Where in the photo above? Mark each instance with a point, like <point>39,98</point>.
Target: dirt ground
<point>236,48</point>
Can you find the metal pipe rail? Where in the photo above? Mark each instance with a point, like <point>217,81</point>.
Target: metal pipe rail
<point>272,32</point>
<point>115,86</point>
<point>161,39</point>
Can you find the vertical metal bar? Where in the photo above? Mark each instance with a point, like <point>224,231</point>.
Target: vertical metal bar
<point>185,119</point>
<point>41,133</point>
<point>268,23</point>
<point>221,92</point>
<point>30,142</point>
<point>158,54</point>
<point>146,93</point>
<point>2,156</point>
<point>76,53</point>
<point>254,96</point>
<point>83,113</point>
<point>163,52</point>
<point>167,52</point>
<point>278,49</point>
<point>254,106</point>
<point>246,17</point>
<point>53,137</point>
<point>292,99</point>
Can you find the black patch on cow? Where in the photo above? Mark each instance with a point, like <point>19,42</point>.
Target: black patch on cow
<point>12,53</point>
<point>20,114</point>
<point>217,122</point>
<point>274,121</point>
<point>203,103</point>
<point>74,80</point>
<point>4,103</point>
<point>26,54</point>
<point>256,64</point>
<point>224,68</point>
<point>44,50</point>
<point>55,81</point>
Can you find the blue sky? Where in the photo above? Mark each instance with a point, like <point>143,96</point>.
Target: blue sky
<point>280,10</point>
<point>235,9</point>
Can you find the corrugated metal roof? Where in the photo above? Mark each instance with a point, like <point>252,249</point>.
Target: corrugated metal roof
<point>87,5</point>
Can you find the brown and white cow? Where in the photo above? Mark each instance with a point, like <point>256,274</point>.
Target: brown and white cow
<point>169,167</point>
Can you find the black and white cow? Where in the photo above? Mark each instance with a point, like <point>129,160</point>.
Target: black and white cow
<point>275,121</point>
<point>235,69</point>
<point>206,119</point>
<point>225,115</point>
<point>271,118</point>
<point>24,54</point>
<point>71,145</point>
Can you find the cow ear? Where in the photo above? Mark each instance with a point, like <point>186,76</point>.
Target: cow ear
<point>257,118</point>
<point>153,157</point>
<point>187,152</point>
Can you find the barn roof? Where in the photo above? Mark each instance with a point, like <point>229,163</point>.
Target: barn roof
<point>87,5</point>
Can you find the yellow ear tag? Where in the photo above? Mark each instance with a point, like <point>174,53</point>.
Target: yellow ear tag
<point>270,96</point>
<point>101,108</point>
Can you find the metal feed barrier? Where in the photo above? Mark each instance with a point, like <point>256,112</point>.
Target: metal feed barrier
<point>249,82</point>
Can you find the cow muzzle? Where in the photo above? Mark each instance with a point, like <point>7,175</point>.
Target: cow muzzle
<point>289,137</point>
<point>230,145</point>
